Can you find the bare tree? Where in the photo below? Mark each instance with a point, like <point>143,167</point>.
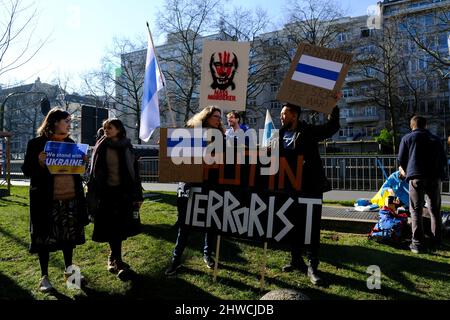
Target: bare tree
<point>382,60</point>
<point>310,21</point>
<point>18,41</point>
<point>429,33</point>
<point>119,82</point>
<point>185,22</point>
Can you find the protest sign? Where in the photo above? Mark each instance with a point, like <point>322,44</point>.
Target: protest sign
<point>173,147</point>
<point>65,158</point>
<point>315,76</point>
<point>224,74</point>
<point>254,214</point>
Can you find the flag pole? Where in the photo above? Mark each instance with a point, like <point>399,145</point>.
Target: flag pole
<point>174,124</point>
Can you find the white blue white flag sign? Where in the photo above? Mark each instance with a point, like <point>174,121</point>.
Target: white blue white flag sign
<point>315,77</point>
<point>317,72</point>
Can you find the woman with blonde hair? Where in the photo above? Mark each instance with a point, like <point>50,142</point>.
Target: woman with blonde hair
<point>210,117</point>
<point>57,203</point>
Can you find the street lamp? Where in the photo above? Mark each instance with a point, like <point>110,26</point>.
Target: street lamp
<point>45,105</point>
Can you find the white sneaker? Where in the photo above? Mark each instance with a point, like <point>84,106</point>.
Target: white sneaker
<point>45,285</point>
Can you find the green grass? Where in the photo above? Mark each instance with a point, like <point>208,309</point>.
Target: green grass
<point>344,261</point>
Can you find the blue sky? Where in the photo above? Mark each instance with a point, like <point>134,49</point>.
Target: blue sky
<point>81,31</point>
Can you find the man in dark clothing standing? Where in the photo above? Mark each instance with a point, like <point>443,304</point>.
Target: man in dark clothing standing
<point>298,137</point>
<point>423,158</point>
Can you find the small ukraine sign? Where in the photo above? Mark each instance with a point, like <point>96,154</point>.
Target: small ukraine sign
<point>65,157</point>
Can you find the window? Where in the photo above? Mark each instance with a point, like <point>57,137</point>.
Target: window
<point>365,33</point>
<point>274,88</point>
<point>342,37</point>
<point>431,107</point>
<point>443,41</point>
<point>422,64</point>
<point>348,92</point>
<point>443,106</point>
<point>422,107</point>
<point>370,71</point>
<point>251,102</point>
<point>251,121</point>
<point>427,20</point>
<point>370,111</point>
<point>346,132</point>
<point>413,65</point>
<point>275,104</point>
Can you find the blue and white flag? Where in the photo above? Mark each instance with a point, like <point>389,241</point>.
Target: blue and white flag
<point>268,128</point>
<point>153,82</point>
<point>317,72</point>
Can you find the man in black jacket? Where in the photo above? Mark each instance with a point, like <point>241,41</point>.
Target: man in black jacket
<point>298,137</point>
<point>422,156</point>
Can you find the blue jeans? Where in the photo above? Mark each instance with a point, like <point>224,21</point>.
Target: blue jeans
<point>183,232</point>
<point>182,240</point>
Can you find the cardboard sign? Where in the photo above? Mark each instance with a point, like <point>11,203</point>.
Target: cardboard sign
<point>315,76</point>
<point>65,158</point>
<point>256,215</point>
<point>224,74</point>
<point>172,172</point>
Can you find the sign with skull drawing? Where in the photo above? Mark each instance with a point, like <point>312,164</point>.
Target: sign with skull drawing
<point>224,74</point>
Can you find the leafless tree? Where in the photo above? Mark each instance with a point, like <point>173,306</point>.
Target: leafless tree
<point>383,60</point>
<point>185,22</point>
<point>18,40</point>
<point>119,82</point>
<point>429,33</point>
<point>309,21</point>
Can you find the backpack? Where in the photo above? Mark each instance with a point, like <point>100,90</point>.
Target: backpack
<point>390,227</point>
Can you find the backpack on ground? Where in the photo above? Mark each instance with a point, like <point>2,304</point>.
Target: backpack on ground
<point>390,227</point>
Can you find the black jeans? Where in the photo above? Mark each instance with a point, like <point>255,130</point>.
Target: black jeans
<point>311,250</point>
<point>418,188</point>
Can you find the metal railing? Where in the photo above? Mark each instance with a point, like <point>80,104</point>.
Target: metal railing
<point>358,173</point>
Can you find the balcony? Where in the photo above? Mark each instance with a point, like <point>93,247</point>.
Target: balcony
<point>359,98</point>
<point>362,118</point>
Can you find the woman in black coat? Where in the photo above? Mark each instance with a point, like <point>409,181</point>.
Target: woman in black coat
<point>57,204</point>
<point>115,192</point>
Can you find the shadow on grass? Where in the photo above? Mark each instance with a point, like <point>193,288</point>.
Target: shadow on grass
<point>9,290</point>
<point>5,202</point>
<point>228,250</point>
<point>392,265</point>
<point>144,287</point>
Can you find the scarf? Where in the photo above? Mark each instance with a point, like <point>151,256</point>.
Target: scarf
<point>58,136</point>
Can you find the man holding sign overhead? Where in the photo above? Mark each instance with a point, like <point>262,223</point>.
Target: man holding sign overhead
<point>313,81</point>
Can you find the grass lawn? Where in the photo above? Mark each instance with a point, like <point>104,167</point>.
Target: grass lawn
<point>344,261</point>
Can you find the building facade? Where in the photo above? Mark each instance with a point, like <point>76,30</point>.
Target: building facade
<point>23,114</point>
<point>391,79</point>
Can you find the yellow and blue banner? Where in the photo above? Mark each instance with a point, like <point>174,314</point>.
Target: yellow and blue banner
<point>65,157</point>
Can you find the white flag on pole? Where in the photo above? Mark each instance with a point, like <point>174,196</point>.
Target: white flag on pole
<point>268,130</point>
<point>153,82</point>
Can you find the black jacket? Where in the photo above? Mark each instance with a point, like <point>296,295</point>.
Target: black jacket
<point>422,155</point>
<point>306,143</point>
<point>41,188</point>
